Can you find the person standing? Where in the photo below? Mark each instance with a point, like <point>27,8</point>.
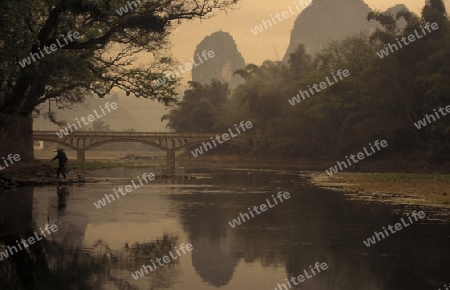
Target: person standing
<point>62,161</point>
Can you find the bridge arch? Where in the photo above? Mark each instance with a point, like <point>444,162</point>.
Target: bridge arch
<point>103,142</point>
<point>166,141</point>
<point>164,144</point>
<point>58,142</point>
<point>236,143</point>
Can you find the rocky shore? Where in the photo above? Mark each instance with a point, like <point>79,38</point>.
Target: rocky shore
<point>40,174</point>
<point>36,174</point>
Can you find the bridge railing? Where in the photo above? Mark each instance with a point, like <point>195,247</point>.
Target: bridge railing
<point>135,134</point>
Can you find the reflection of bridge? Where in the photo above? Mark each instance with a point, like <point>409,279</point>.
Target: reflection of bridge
<point>170,142</point>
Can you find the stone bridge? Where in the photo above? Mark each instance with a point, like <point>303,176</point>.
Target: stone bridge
<point>82,141</point>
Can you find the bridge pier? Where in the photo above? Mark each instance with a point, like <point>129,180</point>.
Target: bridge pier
<point>170,163</point>
<point>81,154</point>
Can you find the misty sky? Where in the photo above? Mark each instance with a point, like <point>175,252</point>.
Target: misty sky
<point>270,44</point>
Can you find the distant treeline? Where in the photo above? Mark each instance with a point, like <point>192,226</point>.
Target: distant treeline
<point>382,98</point>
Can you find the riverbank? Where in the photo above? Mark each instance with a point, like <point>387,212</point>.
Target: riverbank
<point>427,190</point>
<point>401,188</point>
<point>37,174</point>
<point>43,172</point>
<point>409,164</point>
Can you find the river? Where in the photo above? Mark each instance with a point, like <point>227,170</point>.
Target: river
<point>101,248</point>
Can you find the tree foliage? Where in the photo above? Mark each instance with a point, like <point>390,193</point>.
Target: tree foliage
<point>200,109</point>
<point>103,58</point>
<point>381,99</point>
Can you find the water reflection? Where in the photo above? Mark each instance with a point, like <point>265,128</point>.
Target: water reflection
<point>99,249</point>
<point>313,226</point>
<point>62,260</point>
<point>62,192</point>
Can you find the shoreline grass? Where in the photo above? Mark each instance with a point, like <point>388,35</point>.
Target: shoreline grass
<point>412,177</point>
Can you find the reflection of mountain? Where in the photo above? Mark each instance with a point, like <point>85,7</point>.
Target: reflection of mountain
<point>214,246</point>
<point>226,61</point>
<point>214,260</point>
<point>312,226</point>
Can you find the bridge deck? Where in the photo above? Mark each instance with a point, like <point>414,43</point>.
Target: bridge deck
<point>136,134</point>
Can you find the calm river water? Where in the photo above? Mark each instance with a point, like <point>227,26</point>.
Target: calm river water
<point>100,248</point>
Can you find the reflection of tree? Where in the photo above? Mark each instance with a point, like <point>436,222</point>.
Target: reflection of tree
<point>142,253</point>
<point>49,266</point>
<point>46,265</point>
<point>59,262</point>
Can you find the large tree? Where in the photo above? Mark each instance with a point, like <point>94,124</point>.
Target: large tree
<point>200,109</point>
<point>381,99</point>
<point>102,58</point>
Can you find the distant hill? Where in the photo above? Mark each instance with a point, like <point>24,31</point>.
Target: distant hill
<point>327,20</point>
<point>118,120</point>
<point>226,61</point>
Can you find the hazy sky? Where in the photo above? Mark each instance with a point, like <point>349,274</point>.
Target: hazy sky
<point>270,44</point>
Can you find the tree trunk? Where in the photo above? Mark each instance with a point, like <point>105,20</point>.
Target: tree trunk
<point>16,137</point>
